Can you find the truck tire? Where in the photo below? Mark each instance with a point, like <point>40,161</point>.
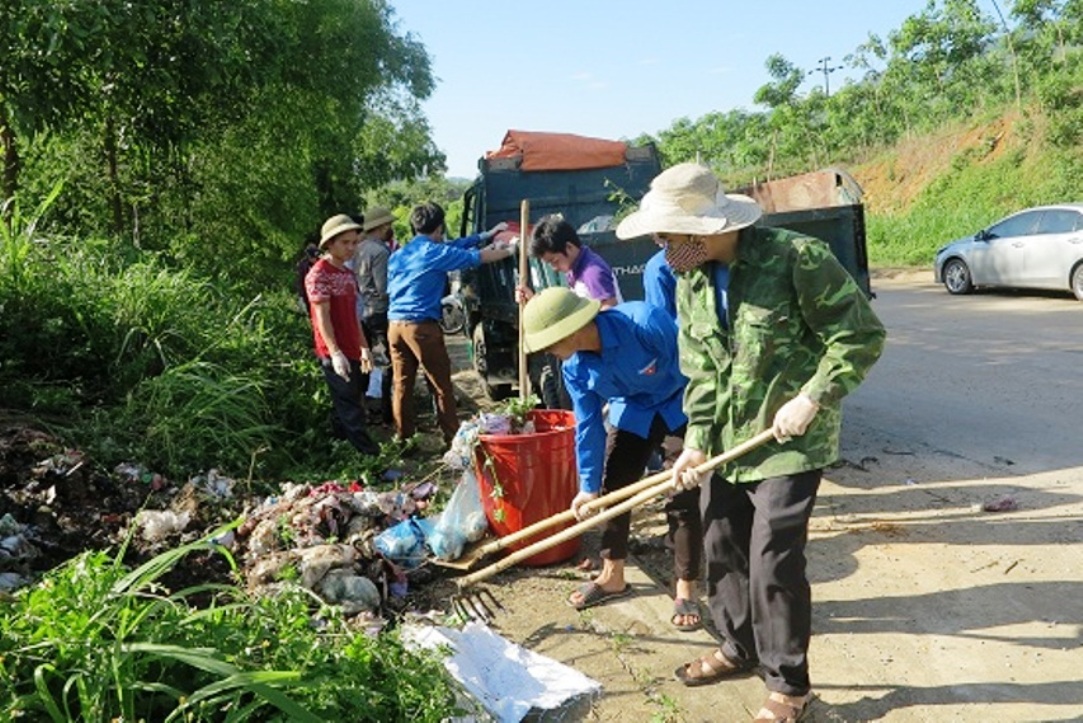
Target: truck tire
<point>551,385</point>
<point>494,392</point>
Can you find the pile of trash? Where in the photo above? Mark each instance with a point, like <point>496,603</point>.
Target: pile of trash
<point>357,547</point>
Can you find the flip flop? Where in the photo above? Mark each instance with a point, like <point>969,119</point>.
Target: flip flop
<point>715,670</point>
<point>593,594</point>
<point>683,607</point>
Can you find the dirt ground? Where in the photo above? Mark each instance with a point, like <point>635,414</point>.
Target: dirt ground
<point>926,606</point>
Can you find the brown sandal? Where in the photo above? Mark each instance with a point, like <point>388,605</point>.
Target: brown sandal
<point>790,709</point>
<point>692,674</point>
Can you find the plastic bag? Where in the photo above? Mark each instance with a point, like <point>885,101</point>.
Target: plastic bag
<point>462,521</point>
<point>404,543</point>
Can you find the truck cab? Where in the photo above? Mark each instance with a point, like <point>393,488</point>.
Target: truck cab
<point>593,183</point>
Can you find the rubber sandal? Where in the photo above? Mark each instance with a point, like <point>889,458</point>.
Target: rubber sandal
<point>682,607</point>
<point>593,594</point>
<point>791,710</point>
<point>692,675</point>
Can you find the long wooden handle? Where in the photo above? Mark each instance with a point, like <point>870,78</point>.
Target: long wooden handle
<point>524,224</point>
<point>634,495</point>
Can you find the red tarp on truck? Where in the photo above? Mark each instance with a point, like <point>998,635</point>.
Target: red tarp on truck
<point>559,151</point>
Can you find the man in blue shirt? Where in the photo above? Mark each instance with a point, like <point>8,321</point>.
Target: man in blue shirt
<point>625,356</point>
<point>416,276</point>
<point>659,284</point>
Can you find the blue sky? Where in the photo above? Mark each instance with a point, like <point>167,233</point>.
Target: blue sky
<point>614,69</point>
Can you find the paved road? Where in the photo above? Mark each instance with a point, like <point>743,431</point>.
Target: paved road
<point>991,381</point>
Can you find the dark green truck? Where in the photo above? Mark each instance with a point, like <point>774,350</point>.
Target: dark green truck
<point>825,204</point>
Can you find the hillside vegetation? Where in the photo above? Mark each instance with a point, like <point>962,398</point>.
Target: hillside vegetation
<point>932,188</point>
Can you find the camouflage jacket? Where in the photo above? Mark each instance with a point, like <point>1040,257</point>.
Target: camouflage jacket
<point>797,322</point>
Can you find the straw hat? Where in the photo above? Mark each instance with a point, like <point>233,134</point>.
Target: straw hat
<point>376,217</point>
<point>688,198</point>
<point>554,314</point>
<point>334,226</point>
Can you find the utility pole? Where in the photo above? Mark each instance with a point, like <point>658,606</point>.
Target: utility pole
<point>826,70</point>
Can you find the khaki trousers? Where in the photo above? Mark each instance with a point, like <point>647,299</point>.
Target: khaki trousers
<point>413,344</point>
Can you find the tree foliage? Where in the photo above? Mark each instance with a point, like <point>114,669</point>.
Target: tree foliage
<point>186,127</point>
<point>943,63</point>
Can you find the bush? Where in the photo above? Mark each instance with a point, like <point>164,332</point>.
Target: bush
<point>133,359</point>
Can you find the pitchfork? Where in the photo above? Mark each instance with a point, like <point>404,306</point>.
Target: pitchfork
<point>622,500</point>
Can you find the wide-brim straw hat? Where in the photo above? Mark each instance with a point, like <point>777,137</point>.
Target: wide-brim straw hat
<point>334,226</point>
<point>554,314</point>
<point>688,199</point>
<point>376,217</point>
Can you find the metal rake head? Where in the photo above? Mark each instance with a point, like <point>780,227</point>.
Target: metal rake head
<point>480,605</point>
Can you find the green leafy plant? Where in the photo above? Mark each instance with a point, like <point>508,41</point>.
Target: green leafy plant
<point>95,641</point>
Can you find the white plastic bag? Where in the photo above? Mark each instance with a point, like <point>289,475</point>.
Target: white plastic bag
<point>462,521</point>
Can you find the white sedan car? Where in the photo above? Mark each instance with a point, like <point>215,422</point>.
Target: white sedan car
<point>1038,248</point>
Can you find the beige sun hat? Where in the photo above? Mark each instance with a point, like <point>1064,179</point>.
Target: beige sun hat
<point>554,314</point>
<point>377,216</point>
<point>688,198</point>
<point>334,226</point>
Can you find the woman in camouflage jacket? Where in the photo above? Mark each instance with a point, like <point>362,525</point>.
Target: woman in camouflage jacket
<point>773,334</point>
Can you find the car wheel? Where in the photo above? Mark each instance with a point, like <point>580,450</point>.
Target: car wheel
<point>957,277</point>
<point>1077,281</point>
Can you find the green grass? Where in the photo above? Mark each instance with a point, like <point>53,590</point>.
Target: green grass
<point>95,641</point>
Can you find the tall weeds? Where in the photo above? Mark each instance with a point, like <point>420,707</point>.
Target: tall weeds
<point>135,360</point>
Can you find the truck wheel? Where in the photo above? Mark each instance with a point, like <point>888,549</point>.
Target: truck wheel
<point>551,386</point>
<point>495,392</point>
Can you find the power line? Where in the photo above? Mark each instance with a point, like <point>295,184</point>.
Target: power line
<point>826,70</point>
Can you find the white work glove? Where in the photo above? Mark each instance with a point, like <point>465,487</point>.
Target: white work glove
<point>486,235</point>
<point>340,364</point>
<point>513,245</point>
<point>793,418</point>
<point>366,360</point>
<point>685,476</point>
<point>577,505</point>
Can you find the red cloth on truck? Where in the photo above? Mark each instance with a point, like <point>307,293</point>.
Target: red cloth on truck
<point>559,151</point>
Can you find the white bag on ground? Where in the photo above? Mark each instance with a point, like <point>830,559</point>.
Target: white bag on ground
<point>506,679</point>
<point>462,521</point>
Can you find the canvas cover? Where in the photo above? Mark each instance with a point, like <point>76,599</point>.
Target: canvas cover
<point>559,151</point>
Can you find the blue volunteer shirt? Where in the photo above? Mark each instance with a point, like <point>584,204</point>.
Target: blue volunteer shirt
<point>659,284</point>
<point>637,372</point>
<point>417,275</point>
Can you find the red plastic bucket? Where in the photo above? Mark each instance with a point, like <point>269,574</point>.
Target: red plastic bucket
<point>534,476</point>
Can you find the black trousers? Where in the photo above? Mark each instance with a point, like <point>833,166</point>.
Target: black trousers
<point>758,593</point>
<point>347,399</point>
<point>625,459</point>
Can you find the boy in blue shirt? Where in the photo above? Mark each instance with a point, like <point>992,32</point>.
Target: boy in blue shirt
<point>416,275</point>
<point>625,357</point>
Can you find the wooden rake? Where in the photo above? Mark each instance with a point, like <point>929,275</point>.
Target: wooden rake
<point>607,507</point>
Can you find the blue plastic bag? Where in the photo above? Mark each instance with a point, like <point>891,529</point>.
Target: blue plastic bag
<point>404,543</point>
